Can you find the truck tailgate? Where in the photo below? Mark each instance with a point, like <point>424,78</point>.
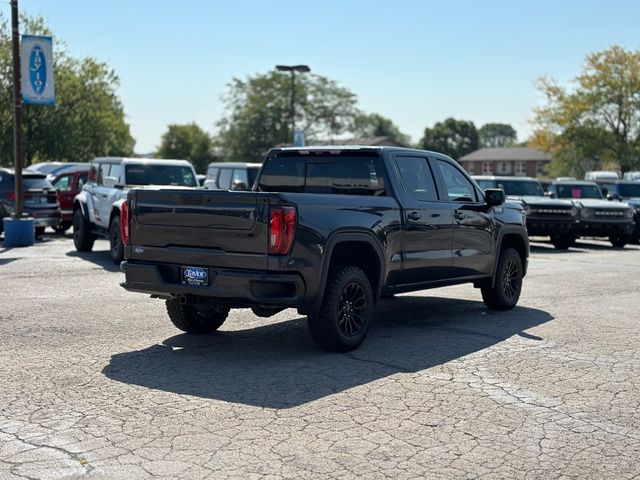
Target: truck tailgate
<point>199,227</point>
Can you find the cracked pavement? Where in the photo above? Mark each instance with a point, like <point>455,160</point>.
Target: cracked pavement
<point>97,383</point>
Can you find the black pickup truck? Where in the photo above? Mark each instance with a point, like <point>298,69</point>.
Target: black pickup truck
<point>329,231</point>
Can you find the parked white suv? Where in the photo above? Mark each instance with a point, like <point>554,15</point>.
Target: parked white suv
<point>97,208</point>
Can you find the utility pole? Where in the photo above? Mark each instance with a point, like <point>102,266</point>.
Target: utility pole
<point>293,69</point>
<point>17,110</point>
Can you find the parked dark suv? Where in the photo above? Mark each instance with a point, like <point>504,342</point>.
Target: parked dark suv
<point>629,193</point>
<point>547,217</point>
<point>40,198</point>
<point>598,217</point>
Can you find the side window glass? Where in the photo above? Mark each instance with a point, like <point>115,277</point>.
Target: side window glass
<point>212,173</point>
<point>459,189</point>
<point>93,173</point>
<point>103,173</point>
<point>240,180</point>
<point>82,179</point>
<point>115,171</point>
<point>224,182</point>
<point>416,177</point>
<point>63,184</point>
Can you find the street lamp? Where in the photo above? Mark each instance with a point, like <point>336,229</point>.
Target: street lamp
<point>293,69</point>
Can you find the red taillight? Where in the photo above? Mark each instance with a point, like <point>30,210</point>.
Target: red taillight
<point>124,223</point>
<point>12,196</point>
<point>282,226</point>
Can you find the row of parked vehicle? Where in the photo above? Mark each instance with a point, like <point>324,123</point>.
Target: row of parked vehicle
<point>571,208</point>
<point>568,209</point>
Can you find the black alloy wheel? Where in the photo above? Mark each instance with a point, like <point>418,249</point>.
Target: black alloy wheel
<point>351,309</point>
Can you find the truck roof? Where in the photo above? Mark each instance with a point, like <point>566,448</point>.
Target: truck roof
<point>341,148</point>
<point>143,161</point>
<point>235,164</point>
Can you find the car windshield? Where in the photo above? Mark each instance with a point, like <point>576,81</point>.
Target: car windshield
<point>578,191</point>
<point>160,175</point>
<point>484,184</point>
<point>521,188</point>
<point>629,189</point>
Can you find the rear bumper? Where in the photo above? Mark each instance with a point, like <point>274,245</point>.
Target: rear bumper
<point>544,227</point>
<point>231,286</point>
<point>603,229</point>
<point>46,221</point>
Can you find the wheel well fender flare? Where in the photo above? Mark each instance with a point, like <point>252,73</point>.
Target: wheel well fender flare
<point>344,237</point>
<point>523,247</point>
<point>116,209</point>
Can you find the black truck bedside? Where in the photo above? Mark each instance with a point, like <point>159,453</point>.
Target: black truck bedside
<point>328,231</point>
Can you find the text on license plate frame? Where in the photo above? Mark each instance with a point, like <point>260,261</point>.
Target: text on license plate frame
<point>194,276</point>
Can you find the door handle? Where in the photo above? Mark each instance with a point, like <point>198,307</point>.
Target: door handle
<point>103,195</point>
<point>414,216</point>
<point>460,215</point>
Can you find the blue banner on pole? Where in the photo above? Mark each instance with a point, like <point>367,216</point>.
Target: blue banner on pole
<point>38,85</point>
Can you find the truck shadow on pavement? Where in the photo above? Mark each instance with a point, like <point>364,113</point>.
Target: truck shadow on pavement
<point>278,365</point>
<point>101,258</point>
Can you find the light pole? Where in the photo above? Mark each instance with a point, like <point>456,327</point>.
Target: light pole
<point>293,69</point>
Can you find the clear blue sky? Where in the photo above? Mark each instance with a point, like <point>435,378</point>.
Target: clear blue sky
<point>416,62</point>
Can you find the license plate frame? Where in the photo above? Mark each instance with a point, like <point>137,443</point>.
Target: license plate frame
<point>194,276</point>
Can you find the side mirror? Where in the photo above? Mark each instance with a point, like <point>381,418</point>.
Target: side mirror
<point>550,194</point>
<point>494,197</point>
<point>612,196</point>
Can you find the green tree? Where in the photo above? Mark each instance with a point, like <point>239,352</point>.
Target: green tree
<point>595,124</point>
<point>452,137</point>
<point>87,120</point>
<point>187,142</point>
<point>497,135</point>
<point>375,125</point>
<point>257,113</point>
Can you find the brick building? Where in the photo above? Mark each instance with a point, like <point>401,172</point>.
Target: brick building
<point>514,161</point>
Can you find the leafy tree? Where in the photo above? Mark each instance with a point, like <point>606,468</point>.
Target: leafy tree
<point>375,125</point>
<point>596,124</point>
<point>452,137</point>
<point>258,115</point>
<point>87,120</point>
<point>497,135</point>
<point>187,142</point>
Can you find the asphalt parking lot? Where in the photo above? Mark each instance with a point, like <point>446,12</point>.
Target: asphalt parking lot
<point>96,382</point>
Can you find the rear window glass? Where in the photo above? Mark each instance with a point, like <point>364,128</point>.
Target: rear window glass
<point>160,175</point>
<point>36,184</point>
<point>328,174</point>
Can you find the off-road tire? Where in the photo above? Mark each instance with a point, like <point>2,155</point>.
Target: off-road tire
<point>83,239</point>
<point>505,293</point>
<point>198,319</point>
<point>619,241</point>
<point>115,243</point>
<point>563,242</point>
<point>343,321</point>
